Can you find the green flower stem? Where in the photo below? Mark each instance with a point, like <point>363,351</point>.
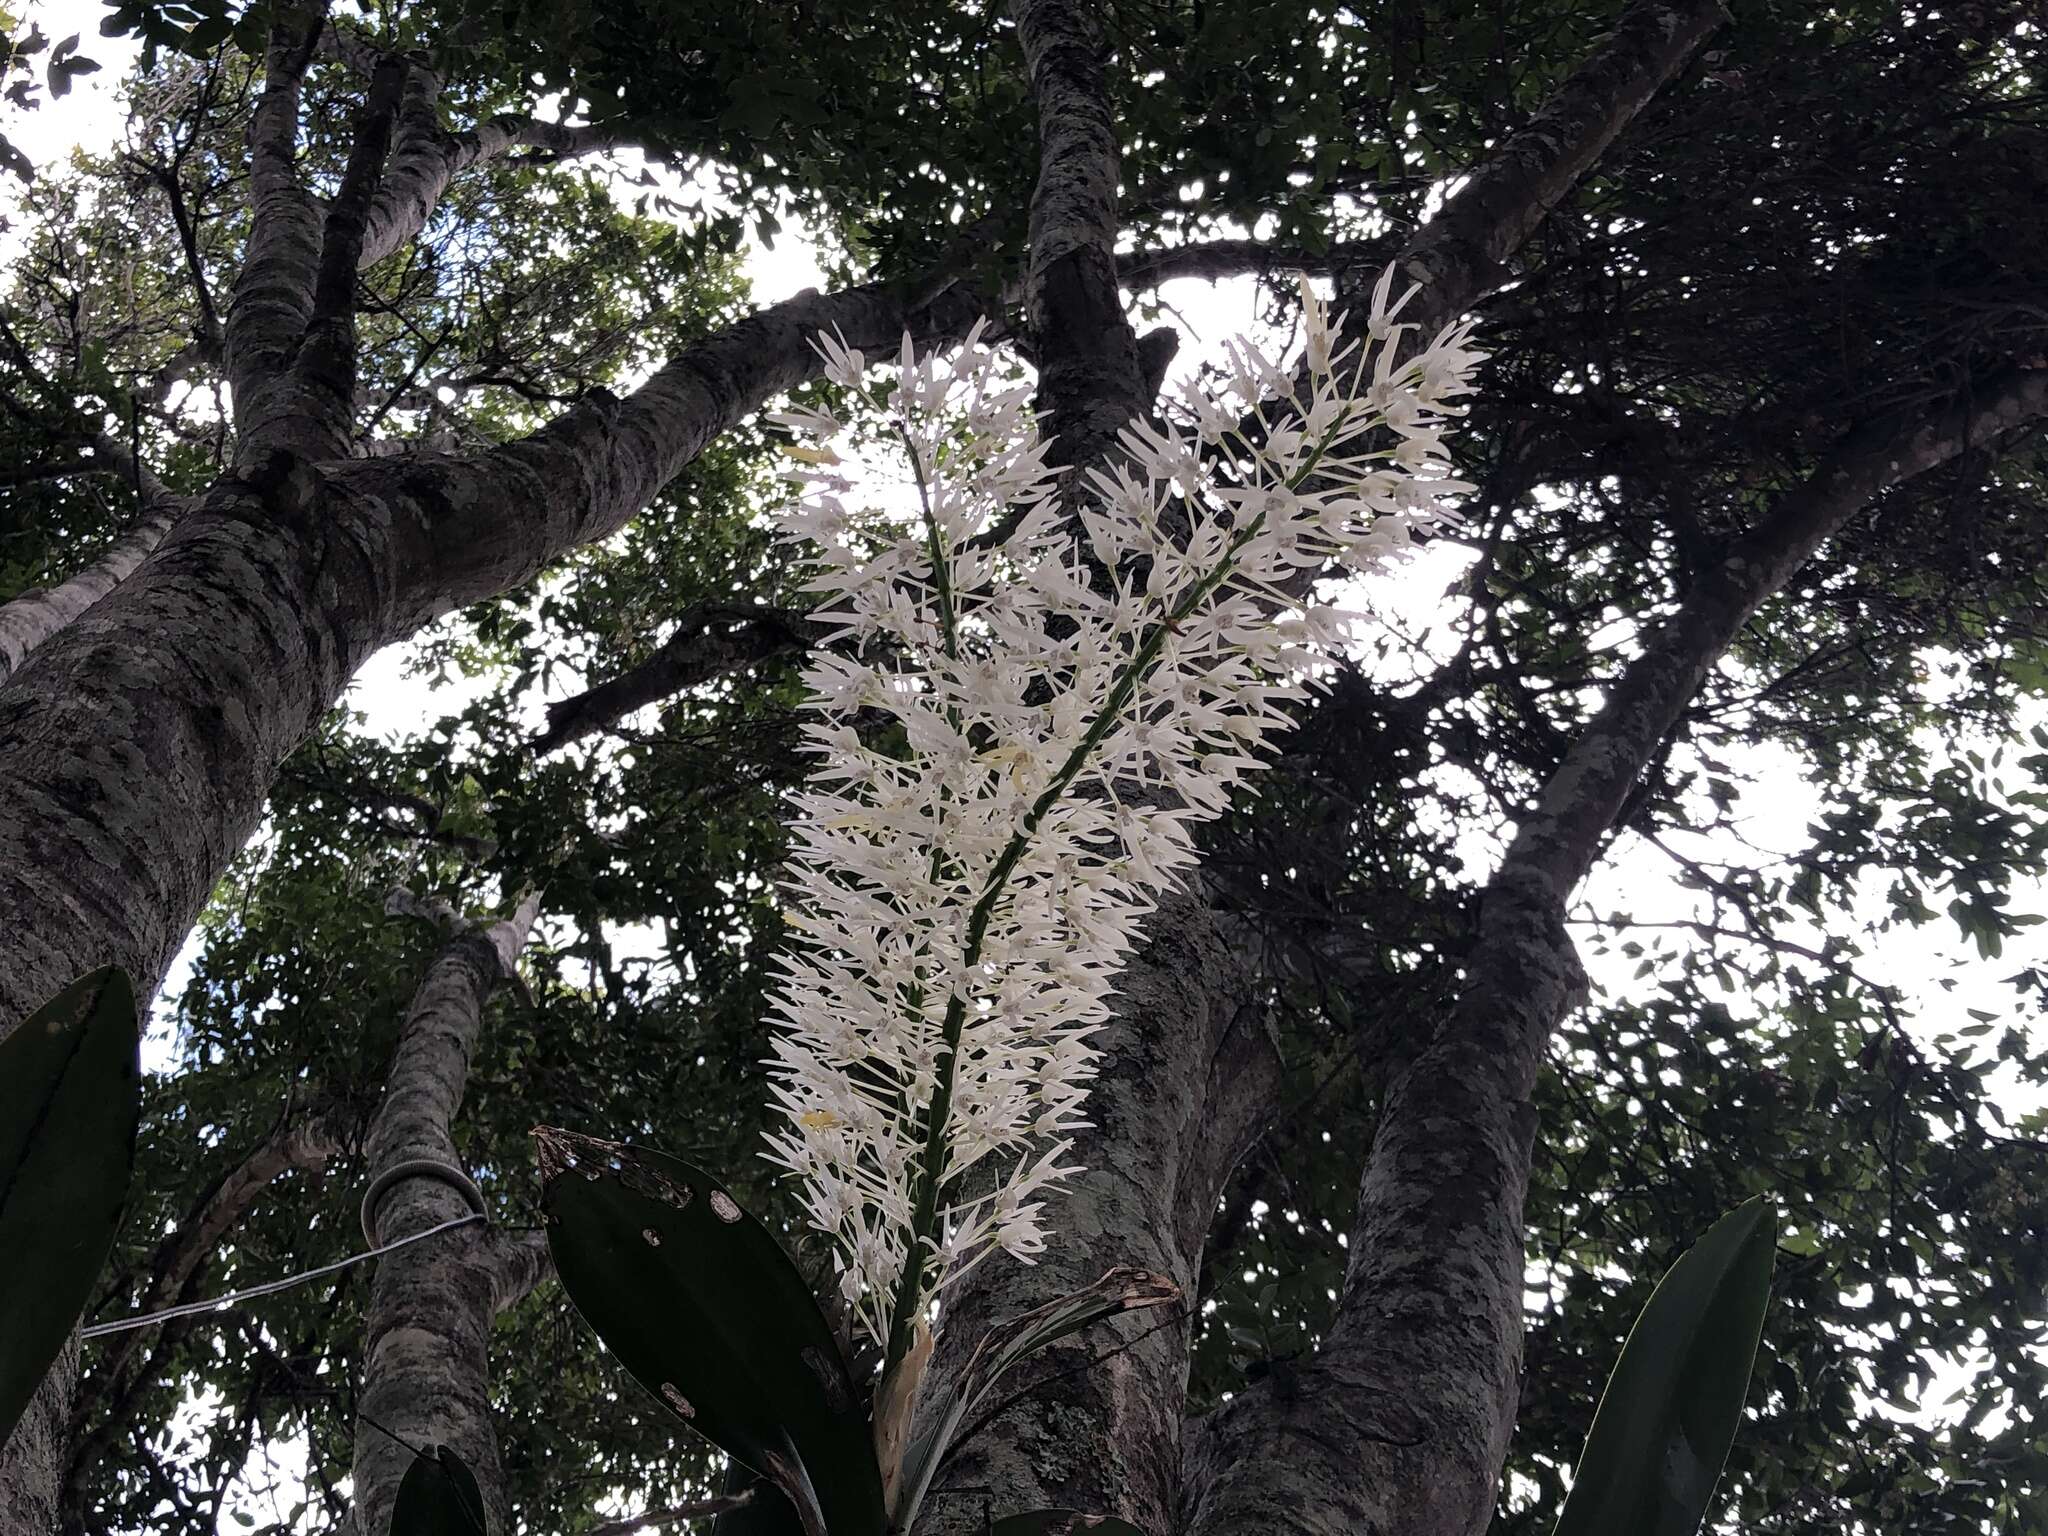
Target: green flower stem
<point>925,1211</point>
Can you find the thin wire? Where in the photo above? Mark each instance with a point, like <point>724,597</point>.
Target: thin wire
<point>192,1308</point>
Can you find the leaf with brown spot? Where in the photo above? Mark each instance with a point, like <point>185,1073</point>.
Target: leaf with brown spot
<point>703,1307</point>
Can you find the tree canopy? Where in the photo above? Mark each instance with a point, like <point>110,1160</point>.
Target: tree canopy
<point>1756,452</point>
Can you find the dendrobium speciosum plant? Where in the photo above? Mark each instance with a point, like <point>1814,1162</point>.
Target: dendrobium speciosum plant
<point>1016,731</point>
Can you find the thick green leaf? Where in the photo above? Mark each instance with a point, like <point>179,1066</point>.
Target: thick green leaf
<point>70,1099</point>
<point>1673,1403</point>
<point>1062,1522</point>
<point>703,1307</point>
<point>1003,1346</point>
<point>438,1497</point>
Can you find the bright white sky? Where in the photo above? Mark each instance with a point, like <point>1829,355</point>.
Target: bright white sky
<point>1923,963</point>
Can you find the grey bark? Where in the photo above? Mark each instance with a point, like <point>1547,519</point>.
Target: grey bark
<point>1109,1439</point>
<point>30,619</point>
<point>426,1374</point>
<point>272,299</point>
<point>138,742</point>
<point>1400,1421</point>
<point>428,158</point>
<point>1186,1075</point>
<point>1090,379</point>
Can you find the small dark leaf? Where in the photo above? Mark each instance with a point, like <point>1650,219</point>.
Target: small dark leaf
<point>70,1099</point>
<point>1675,1399</point>
<point>438,1497</point>
<point>61,75</point>
<point>703,1307</point>
<point>12,159</point>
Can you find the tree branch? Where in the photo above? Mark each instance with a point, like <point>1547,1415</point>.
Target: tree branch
<point>1090,380</point>
<point>273,293</point>
<point>1462,253</point>
<point>32,618</point>
<point>710,640</point>
<point>487,523</point>
<point>324,369</point>
<point>307,1144</point>
<point>428,158</point>
<point>1402,1418</point>
<point>425,1372</point>
<point>1219,259</point>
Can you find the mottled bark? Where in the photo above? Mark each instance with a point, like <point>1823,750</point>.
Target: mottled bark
<point>1400,1421</point>
<point>1089,377</point>
<point>323,372</point>
<point>426,1376</point>
<point>1215,260</point>
<point>33,617</point>
<point>709,642</point>
<point>1187,1073</point>
<point>273,293</point>
<point>139,742</point>
<point>428,158</point>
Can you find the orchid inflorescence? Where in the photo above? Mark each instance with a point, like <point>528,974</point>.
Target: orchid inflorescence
<point>1016,730</point>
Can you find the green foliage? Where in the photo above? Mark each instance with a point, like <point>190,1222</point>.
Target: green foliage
<point>68,1109</point>
<point>438,1496</point>
<point>1674,1401</point>
<point>1825,217</point>
<point>699,1302</point>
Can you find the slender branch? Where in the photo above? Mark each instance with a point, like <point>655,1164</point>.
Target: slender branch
<point>1462,253</point>
<point>709,642</point>
<point>273,293</point>
<point>428,159</point>
<point>120,1371</point>
<point>324,369</point>
<point>1219,259</point>
<point>32,618</point>
<point>211,338</point>
<point>674,1515</point>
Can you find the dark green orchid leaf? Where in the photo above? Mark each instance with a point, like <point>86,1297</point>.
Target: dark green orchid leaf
<point>1006,1344</point>
<point>1675,1399</point>
<point>70,1101</point>
<point>438,1497</point>
<point>1062,1522</point>
<point>701,1304</point>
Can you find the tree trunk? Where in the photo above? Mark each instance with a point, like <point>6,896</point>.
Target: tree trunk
<point>1186,1079</point>
<point>1400,1421</point>
<point>426,1378</point>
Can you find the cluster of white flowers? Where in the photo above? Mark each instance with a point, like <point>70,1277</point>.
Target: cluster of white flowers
<point>1016,731</point>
